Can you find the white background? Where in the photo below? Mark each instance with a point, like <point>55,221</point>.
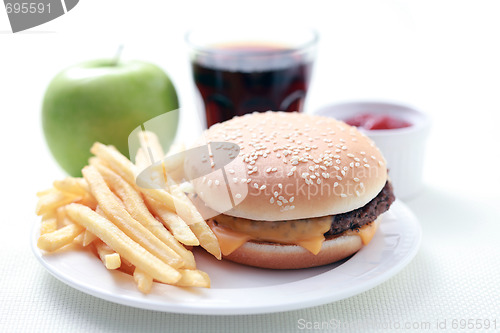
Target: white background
<point>440,56</point>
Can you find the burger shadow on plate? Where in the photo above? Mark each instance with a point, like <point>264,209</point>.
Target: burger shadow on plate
<point>243,276</point>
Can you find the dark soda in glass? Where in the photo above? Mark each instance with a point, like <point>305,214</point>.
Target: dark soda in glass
<point>237,79</point>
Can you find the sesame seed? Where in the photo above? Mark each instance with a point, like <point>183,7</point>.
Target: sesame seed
<point>343,195</point>
<point>357,193</point>
<point>292,207</point>
<point>342,172</point>
<point>235,180</point>
<point>337,161</point>
<point>367,165</point>
<point>280,186</point>
<point>318,181</point>
<point>290,174</point>
<point>313,176</point>
<point>357,164</point>
<point>361,185</point>
<point>335,184</point>
<point>238,196</point>
<point>209,182</point>
<point>279,203</point>
<point>217,182</point>
<point>231,171</point>
<point>356,179</point>
<point>380,163</point>
<point>255,185</point>
<point>350,155</point>
<point>291,199</point>
<point>281,198</point>
<point>249,180</point>
<point>275,194</point>
<point>203,180</point>
<point>268,170</point>
<point>274,169</point>
<point>356,159</point>
<point>271,200</point>
<point>336,167</point>
<point>293,169</point>
<point>212,164</point>
<point>338,177</point>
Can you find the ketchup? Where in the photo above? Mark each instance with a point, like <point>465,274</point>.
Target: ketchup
<point>370,121</point>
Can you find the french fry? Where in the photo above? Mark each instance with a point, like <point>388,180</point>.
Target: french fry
<point>141,159</point>
<point>126,266</point>
<point>151,145</point>
<point>186,211</point>
<point>59,238</point>
<point>143,280</point>
<point>116,161</point>
<point>176,225</point>
<point>76,186</point>
<point>127,170</point>
<point>62,218</point>
<point>79,239</point>
<point>88,238</point>
<point>200,228</point>
<point>49,224</point>
<point>115,211</point>
<point>109,258</point>
<point>135,205</point>
<point>51,200</point>
<point>193,278</point>
<point>122,166</point>
<point>121,243</point>
<point>44,192</point>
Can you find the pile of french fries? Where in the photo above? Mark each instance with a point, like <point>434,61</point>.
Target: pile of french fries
<point>146,232</point>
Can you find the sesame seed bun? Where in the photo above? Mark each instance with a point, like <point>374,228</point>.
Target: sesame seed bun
<point>291,166</point>
<point>281,256</point>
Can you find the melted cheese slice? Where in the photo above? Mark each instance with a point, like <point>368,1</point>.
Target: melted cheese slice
<point>366,232</point>
<point>229,240</point>
<point>307,233</point>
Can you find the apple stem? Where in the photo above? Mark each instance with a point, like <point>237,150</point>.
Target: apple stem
<point>118,55</point>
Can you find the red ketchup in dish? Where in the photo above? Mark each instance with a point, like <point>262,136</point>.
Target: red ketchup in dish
<point>371,121</point>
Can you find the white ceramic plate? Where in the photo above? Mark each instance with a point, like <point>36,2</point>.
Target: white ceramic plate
<point>237,289</point>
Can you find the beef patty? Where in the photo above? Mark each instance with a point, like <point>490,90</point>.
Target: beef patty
<point>363,215</point>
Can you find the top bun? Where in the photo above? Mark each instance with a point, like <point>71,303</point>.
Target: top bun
<point>292,166</point>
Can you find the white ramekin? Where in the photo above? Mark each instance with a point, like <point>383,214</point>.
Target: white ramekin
<point>403,148</point>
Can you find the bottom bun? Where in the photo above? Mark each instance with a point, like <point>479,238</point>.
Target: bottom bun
<point>282,256</point>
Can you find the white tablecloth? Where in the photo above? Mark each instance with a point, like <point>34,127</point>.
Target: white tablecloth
<point>440,56</point>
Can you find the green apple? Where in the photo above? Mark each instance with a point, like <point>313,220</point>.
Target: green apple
<point>103,100</point>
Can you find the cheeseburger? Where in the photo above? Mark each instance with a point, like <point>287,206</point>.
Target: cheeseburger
<point>305,190</point>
